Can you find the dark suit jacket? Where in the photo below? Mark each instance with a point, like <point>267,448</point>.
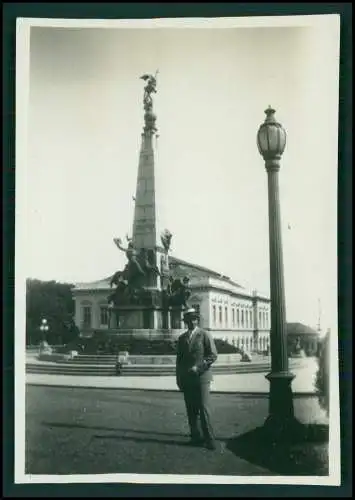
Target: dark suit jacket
<point>201,352</point>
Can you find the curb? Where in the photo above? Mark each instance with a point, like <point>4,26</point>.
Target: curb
<point>234,393</point>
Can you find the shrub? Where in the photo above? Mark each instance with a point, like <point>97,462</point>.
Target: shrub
<point>224,347</point>
<point>322,376</point>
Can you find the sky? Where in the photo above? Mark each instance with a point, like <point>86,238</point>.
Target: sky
<point>85,118</point>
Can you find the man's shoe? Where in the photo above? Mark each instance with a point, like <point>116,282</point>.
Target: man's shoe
<point>211,445</point>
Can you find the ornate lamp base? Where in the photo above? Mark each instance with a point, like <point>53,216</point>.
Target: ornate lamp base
<point>281,424</point>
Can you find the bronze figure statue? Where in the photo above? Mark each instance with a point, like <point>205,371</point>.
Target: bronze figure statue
<point>178,292</point>
<point>147,258</point>
<point>132,257</point>
<point>149,89</point>
<point>165,238</point>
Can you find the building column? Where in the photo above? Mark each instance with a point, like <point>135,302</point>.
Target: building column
<point>255,321</point>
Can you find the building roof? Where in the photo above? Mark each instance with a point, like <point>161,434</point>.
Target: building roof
<point>104,284</point>
<point>210,272</point>
<point>300,329</point>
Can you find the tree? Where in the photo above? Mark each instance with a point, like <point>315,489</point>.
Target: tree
<point>53,301</point>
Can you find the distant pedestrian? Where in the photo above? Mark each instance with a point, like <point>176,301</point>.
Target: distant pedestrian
<point>196,352</point>
<point>118,367</point>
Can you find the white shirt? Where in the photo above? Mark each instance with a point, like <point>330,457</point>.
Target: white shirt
<point>191,334</point>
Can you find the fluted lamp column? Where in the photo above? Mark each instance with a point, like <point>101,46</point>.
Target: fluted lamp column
<point>271,140</point>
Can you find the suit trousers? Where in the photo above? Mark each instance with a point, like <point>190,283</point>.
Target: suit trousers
<point>197,402</point>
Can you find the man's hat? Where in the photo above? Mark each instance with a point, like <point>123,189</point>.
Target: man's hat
<point>190,313</point>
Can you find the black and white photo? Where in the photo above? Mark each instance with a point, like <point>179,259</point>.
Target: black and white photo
<point>176,251</point>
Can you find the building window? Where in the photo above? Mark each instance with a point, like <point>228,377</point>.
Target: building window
<point>267,320</point>
<point>104,316</point>
<point>238,320</point>
<point>242,318</point>
<point>226,316</point>
<point>260,325</point>
<point>233,317</point>
<point>220,315</point>
<point>251,318</point>
<point>86,317</point>
<point>246,319</point>
<point>214,315</point>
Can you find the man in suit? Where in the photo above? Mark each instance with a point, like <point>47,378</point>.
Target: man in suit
<point>196,352</point>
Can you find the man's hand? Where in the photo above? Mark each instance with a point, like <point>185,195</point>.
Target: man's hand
<point>193,369</point>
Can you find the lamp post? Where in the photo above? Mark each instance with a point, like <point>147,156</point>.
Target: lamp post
<point>271,140</point>
<point>44,328</point>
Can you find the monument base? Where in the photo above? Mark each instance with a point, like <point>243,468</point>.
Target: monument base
<point>146,318</point>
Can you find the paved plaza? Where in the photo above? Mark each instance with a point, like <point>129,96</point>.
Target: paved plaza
<point>92,431</point>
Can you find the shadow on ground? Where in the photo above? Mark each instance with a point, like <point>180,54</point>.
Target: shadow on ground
<point>126,434</point>
<point>305,456</point>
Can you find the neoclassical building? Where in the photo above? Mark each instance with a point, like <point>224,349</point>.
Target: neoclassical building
<point>226,309</point>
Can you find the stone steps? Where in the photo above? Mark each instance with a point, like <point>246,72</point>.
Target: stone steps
<point>153,359</point>
<point>132,370</point>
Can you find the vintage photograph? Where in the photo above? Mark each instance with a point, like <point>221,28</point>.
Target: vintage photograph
<point>176,251</point>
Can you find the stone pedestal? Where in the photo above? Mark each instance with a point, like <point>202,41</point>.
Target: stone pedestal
<point>140,318</point>
<point>166,320</point>
<point>176,319</point>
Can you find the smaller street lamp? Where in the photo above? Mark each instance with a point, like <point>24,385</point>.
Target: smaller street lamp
<point>44,328</point>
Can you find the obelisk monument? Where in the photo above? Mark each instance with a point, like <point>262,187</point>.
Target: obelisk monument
<point>144,235</point>
<point>141,299</point>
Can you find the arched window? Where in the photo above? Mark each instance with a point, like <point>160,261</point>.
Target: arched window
<point>238,319</point>
<point>233,317</point>
<point>220,315</point>
<point>226,316</point>
<point>251,318</point>
<point>260,325</point>
<point>242,318</point>
<point>246,319</point>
